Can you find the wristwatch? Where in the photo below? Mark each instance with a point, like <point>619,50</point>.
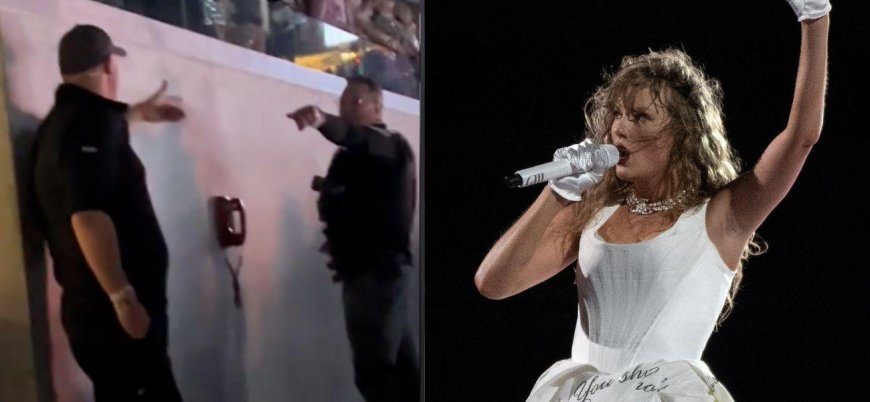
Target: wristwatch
<point>124,297</point>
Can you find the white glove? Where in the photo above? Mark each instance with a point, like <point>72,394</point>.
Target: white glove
<point>570,187</point>
<point>810,9</point>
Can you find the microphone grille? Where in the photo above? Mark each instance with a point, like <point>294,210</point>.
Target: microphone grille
<point>608,155</point>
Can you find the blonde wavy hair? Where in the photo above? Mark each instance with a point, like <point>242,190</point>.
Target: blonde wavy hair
<point>701,160</point>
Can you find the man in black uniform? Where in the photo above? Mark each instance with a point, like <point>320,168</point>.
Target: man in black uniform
<point>109,254</point>
<point>367,202</point>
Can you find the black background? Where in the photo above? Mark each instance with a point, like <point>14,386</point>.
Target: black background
<point>504,86</point>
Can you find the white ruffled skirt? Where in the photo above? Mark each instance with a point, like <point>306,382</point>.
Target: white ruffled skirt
<point>672,381</point>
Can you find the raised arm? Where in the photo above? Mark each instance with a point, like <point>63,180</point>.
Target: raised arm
<point>157,108</point>
<point>340,133</point>
<point>744,204</point>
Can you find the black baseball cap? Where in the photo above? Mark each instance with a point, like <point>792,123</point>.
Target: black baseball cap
<point>85,47</point>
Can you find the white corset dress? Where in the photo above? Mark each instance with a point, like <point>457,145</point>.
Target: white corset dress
<point>645,314</point>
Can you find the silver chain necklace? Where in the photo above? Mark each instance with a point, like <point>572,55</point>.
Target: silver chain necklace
<point>642,206</point>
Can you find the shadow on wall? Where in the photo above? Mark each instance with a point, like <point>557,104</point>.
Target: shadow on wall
<point>23,132</point>
<point>208,357</point>
<point>301,294</point>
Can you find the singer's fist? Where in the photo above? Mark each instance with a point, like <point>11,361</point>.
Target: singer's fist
<point>810,9</point>
<point>308,116</point>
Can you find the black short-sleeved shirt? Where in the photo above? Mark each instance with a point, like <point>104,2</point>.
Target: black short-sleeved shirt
<point>83,162</point>
<point>369,196</point>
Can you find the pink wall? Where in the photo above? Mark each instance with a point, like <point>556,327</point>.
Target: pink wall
<point>289,340</point>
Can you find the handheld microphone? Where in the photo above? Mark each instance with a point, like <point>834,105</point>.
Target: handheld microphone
<point>586,157</point>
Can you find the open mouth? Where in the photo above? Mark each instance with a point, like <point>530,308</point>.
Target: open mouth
<point>623,154</point>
